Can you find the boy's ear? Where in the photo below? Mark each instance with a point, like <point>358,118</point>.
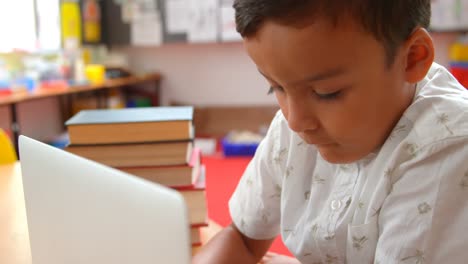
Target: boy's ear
<point>419,50</point>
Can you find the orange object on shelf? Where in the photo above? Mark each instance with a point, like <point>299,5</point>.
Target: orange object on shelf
<point>5,92</point>
<point>55,84</point>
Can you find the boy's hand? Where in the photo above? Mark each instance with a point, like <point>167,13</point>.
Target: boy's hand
<point>231,246</point>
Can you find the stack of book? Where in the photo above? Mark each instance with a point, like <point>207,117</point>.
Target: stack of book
<point>154,143</point>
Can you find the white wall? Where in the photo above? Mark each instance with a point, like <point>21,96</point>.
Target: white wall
<point>202,74</point>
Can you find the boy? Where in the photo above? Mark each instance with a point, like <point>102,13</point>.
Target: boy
<point>367,161</point>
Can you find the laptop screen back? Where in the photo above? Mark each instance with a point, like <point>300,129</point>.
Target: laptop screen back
<point>79,211</point>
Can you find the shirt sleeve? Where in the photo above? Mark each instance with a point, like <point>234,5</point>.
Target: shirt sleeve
<point>255,204</point>
<point>425,217</point>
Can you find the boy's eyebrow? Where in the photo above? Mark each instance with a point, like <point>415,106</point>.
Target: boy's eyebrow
<point>328,74</point>
<point>316,77</point>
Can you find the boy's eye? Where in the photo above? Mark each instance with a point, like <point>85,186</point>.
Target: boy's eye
<point>328,96</point>
<point>275,88</point>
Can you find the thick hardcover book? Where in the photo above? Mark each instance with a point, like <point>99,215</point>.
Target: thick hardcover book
<point>137,154</point>
<point>195,199</point>
<point>195,236</point>
<point>130,125</point>
<point>176,176</point>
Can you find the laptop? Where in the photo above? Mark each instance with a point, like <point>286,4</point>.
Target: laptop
<point>79,211</point>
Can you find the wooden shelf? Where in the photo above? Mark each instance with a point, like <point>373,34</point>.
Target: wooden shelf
<point>17,97</point>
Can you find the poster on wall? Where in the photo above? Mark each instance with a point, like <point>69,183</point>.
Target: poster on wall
<point>91,21</point>
<point>449,15</point>
<point>71,24</point>
<point>128,10</point>
<point>228,22</point>
<point>146,27</point>
<point>177,16</point>
<point>203,15</point>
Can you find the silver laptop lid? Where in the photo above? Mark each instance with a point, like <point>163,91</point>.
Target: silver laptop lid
<point>79,211</point>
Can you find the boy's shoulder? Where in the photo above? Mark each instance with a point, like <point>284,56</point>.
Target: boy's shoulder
<point>440,108</point>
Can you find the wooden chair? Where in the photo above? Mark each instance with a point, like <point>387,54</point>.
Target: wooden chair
<point>7,152</point>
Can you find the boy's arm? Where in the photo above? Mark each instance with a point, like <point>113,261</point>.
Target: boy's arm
<point>231,246</point>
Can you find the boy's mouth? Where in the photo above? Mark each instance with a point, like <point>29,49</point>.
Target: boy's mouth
<point>316,142</point>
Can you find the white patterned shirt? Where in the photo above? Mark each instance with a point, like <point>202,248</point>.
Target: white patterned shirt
<point>406,203</point>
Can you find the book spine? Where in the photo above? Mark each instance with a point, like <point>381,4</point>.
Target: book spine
<point>199,225</point>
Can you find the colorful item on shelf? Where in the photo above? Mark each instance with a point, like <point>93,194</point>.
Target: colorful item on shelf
<point>95,73</point>
<point>240,143</point>
<point>459,52</point>
<point>5,91</point>
<point>54,84</point>
<point>459,61</point>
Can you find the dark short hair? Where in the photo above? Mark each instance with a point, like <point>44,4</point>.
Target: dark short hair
<point>391,22</point>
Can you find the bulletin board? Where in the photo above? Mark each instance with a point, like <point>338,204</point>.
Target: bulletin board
<point>156,22</point>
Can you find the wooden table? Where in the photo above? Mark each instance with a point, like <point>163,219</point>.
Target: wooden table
<point>14,238</point>
<point>15,98</point>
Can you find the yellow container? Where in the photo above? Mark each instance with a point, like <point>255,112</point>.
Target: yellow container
<point>95,73</point>
<point>7,152</point>
<point>459,52</point>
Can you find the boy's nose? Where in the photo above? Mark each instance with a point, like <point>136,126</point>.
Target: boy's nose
<point>301,116</point>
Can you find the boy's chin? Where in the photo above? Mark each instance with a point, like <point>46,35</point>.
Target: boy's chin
<point>336,155</point>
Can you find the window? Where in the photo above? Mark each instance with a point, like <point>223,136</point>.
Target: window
<point>20,30</point>
<point>17,25</point>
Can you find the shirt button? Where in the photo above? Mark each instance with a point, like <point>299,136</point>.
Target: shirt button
<point>335,205</point>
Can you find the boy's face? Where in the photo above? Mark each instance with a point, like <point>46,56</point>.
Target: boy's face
<point>333,85</point>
